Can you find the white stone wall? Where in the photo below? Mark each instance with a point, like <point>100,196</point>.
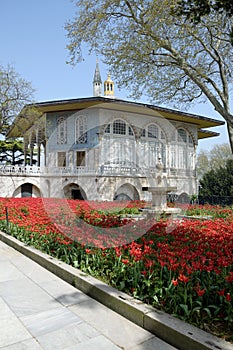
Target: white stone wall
<point>95,187</point>
<point>101,149</point>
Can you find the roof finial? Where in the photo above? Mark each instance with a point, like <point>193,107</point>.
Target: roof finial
<point>97,82</point>
<point>109,87</point>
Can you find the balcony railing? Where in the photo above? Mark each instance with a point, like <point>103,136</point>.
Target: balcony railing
<point>104,170</point>
<point>19,169</point>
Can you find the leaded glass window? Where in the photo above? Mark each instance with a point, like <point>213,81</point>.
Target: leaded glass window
<point>107,129</point>
<point>61,131</point>
<point>182,135</point>
<point>153,145</point>
<point>119,127</point>
<point>153,131</point>
<point>183,145</point>
<point>130,131</point>
<point>81,129</point>
<point>81,158</point>
<point>61,159</point>
<point>143,133</point>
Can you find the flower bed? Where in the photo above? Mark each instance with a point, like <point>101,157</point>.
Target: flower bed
<point>184,268</point>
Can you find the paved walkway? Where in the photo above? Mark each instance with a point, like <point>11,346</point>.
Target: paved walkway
<point>40,311</point>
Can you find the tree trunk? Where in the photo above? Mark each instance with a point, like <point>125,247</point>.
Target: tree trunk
<point>230,134</point>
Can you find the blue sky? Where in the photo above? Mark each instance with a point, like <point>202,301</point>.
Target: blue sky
<point>33,40</point>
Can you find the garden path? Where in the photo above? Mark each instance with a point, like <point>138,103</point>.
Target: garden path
<point>39,311</point>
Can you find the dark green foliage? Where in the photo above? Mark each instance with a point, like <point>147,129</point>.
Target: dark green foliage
<point>218,182</point>
<point>11,152</point>
<point>196,9</point>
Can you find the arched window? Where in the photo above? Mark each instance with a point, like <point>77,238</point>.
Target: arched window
<point>182,150</point>
<point>61,130</point>
<point>119,127</point>
<point>153,131</point>
<point>118,144</point>
<point>81,129</point>
<point>182,135</point>
<point>152,146</point>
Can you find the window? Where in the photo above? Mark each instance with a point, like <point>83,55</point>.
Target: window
<point>182,135</point>
<point>81,129</point>
<point>119,127</point>
<point>153,145</point>
<point>182,150</point>
<point>26,190</point>
<point>153,131</point>
<point>107,129</point>
<point>190,140</point>
<point>61,159</point>
<point>162,135</point>
<point>144,133</point>
<point>130,131</point>
<point>80,158</point>
<point>61,131</point>
<point>118,145</point>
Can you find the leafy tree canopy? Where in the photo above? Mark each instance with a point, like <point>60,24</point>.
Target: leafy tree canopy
<point>153,51</point>
<point>15,92</point>
<point>12,152</point>
<point>195,9</point>
<point>218,182</point>
<point>214,159</point>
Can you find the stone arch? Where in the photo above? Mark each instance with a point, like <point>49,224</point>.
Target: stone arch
<point>189,133</point>
<point>183,198</point>
<point>126,192</point>
<point>129,128</point>
<point>27,189</point>
<point>162,134</point>
<point>74,191</point>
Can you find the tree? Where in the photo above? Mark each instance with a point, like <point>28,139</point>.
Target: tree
<point>15,92</point>
<point>195,9</point>
<point>214,159</point>
<point>153,51</point>
<point>218,182</point>
<point>203,163</point>
<point>219,156</point>
<point>11,152</point>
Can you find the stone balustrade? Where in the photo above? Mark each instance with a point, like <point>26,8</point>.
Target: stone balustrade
<point>104,170</point>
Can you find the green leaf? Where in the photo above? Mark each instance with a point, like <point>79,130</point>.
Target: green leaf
<point>185,308</point>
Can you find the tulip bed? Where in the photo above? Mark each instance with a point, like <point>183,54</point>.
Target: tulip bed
<point>183,267</point>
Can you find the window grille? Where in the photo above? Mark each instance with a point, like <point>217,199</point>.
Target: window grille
<point>61,131</point>
<point>190,140</point>
<point>153,131</point>
<point>182,135</point>
<point>131,133</point>
<point>119,127</point>
<point>61,159</point>
<point>107,129</point>
<point>81,130</point>
<point>144,133</point>
<point>81,158</point>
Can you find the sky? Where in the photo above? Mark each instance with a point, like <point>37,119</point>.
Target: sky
<point>33,40</point>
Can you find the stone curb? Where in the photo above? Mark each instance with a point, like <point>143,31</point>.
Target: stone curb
<point>168,328</point>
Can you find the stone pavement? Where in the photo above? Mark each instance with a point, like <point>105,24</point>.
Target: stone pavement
<point>38,311</point>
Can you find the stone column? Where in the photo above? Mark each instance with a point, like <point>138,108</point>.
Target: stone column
<point>38,146</point>
<point>25,147</point>
<point>31,145</point>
